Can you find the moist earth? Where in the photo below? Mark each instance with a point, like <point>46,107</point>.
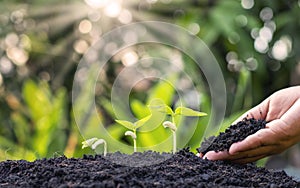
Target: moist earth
<point>234,133</point>
<point>183,169</point>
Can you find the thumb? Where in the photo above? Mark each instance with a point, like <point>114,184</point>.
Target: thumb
<point>251,142</point>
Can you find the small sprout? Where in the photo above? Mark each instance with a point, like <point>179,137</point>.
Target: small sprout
<point>133,127</point>
<point>130,133</point>
<point>93,143</point>
<point>133,136</point>
<point>168,124</point>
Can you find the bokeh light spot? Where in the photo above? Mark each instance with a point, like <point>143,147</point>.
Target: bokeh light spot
<point>125,17</point>
<point>85,26</point>
<point>247,4</point>
<point>6,65</point>
<point>113,9</point>
<point>251,64</point>
<point>129,58</point>
<point>80,46</point>
<point>266,14</point>
<point>282,48</point>
<point>266,33</point>
<point>261,45</point>
<point>17,55</point>
<point>231,55</point>
<point>254,33</point>
<point>11,40</point>
<point>194,28</point>
<point>234,38</point>
<point>241,20</point>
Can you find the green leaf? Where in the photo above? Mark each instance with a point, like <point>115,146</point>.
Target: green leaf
<point>89,142</point>
<point>139,109</point>
<point>159,105</point>
<point>164,89</point>
<point>188,112</point>
<point>141,122</point>
<point>126,124</point>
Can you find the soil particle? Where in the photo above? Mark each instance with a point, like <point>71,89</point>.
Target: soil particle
<point>235,133</point>
<point>182,169</point>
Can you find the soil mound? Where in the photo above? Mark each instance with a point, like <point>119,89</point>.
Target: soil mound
<point>182,169</point>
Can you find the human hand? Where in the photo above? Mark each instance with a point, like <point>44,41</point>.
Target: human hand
<point>282,112</point>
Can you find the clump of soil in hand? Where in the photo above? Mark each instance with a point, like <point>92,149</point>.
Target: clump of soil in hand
<point>184,169</point>
<point>235,133</point>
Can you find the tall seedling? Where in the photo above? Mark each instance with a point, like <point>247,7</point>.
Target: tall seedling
<point>179,111</point>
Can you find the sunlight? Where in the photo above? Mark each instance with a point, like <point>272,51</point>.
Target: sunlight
<point>125,17</point>
<point>96,3</point>
<point>194,28</point>
<point>17,55</point>
<point>85,26</point>
<point>5,65</point>
<point>266,33</point>
<point>80,46</point>
<point>247,4</point>
<point>129,58</point>
<point>282,48</point>
<point>113,9</point>
<point>261,45</point>
<point>266,14</point>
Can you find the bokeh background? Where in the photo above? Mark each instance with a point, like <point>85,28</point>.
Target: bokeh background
<point>256,44</point>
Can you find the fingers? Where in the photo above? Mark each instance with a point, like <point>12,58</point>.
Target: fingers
<point>246,156</point>
<point>261,144</point>
<point>260,138</point>
<point>249,159</point>
<point>213,156</point>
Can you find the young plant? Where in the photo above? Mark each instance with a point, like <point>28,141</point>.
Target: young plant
<point>93,143</point>
<point>170,125</point>
<point>133,127</point>
<point>179,111</point>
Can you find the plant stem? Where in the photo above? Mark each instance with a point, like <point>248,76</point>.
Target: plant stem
<point>134,142</point>
<point>174,135</point>
<point>174,142</point>
<point>105,149</point>
<point>173,119</point>
<point>134,145</point>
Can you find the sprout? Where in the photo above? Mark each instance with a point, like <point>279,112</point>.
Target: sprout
<point>93,143</point>
<point>160,106</point>
<point>168,124</point>
<point>130,133</point>
<point>133,136</point>
<point>133,127</point>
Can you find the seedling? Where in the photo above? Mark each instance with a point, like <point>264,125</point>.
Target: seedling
<point>179,111</point>
<point>93,143</point>
<point>133,127</point>
<point>168,124</point>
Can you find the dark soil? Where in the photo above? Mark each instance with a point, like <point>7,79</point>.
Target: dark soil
<point>183,169</point>
<point>235,133</point>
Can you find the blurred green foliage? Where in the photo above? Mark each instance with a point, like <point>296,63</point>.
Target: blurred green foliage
<point>41,43</point>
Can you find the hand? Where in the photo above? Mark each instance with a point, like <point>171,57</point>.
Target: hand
<point>282,112</point>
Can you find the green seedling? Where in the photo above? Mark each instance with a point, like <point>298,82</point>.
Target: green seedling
<point>160,106</point>
<point>133,127</point>
<point>170,125</point>
<point>93,143</point>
